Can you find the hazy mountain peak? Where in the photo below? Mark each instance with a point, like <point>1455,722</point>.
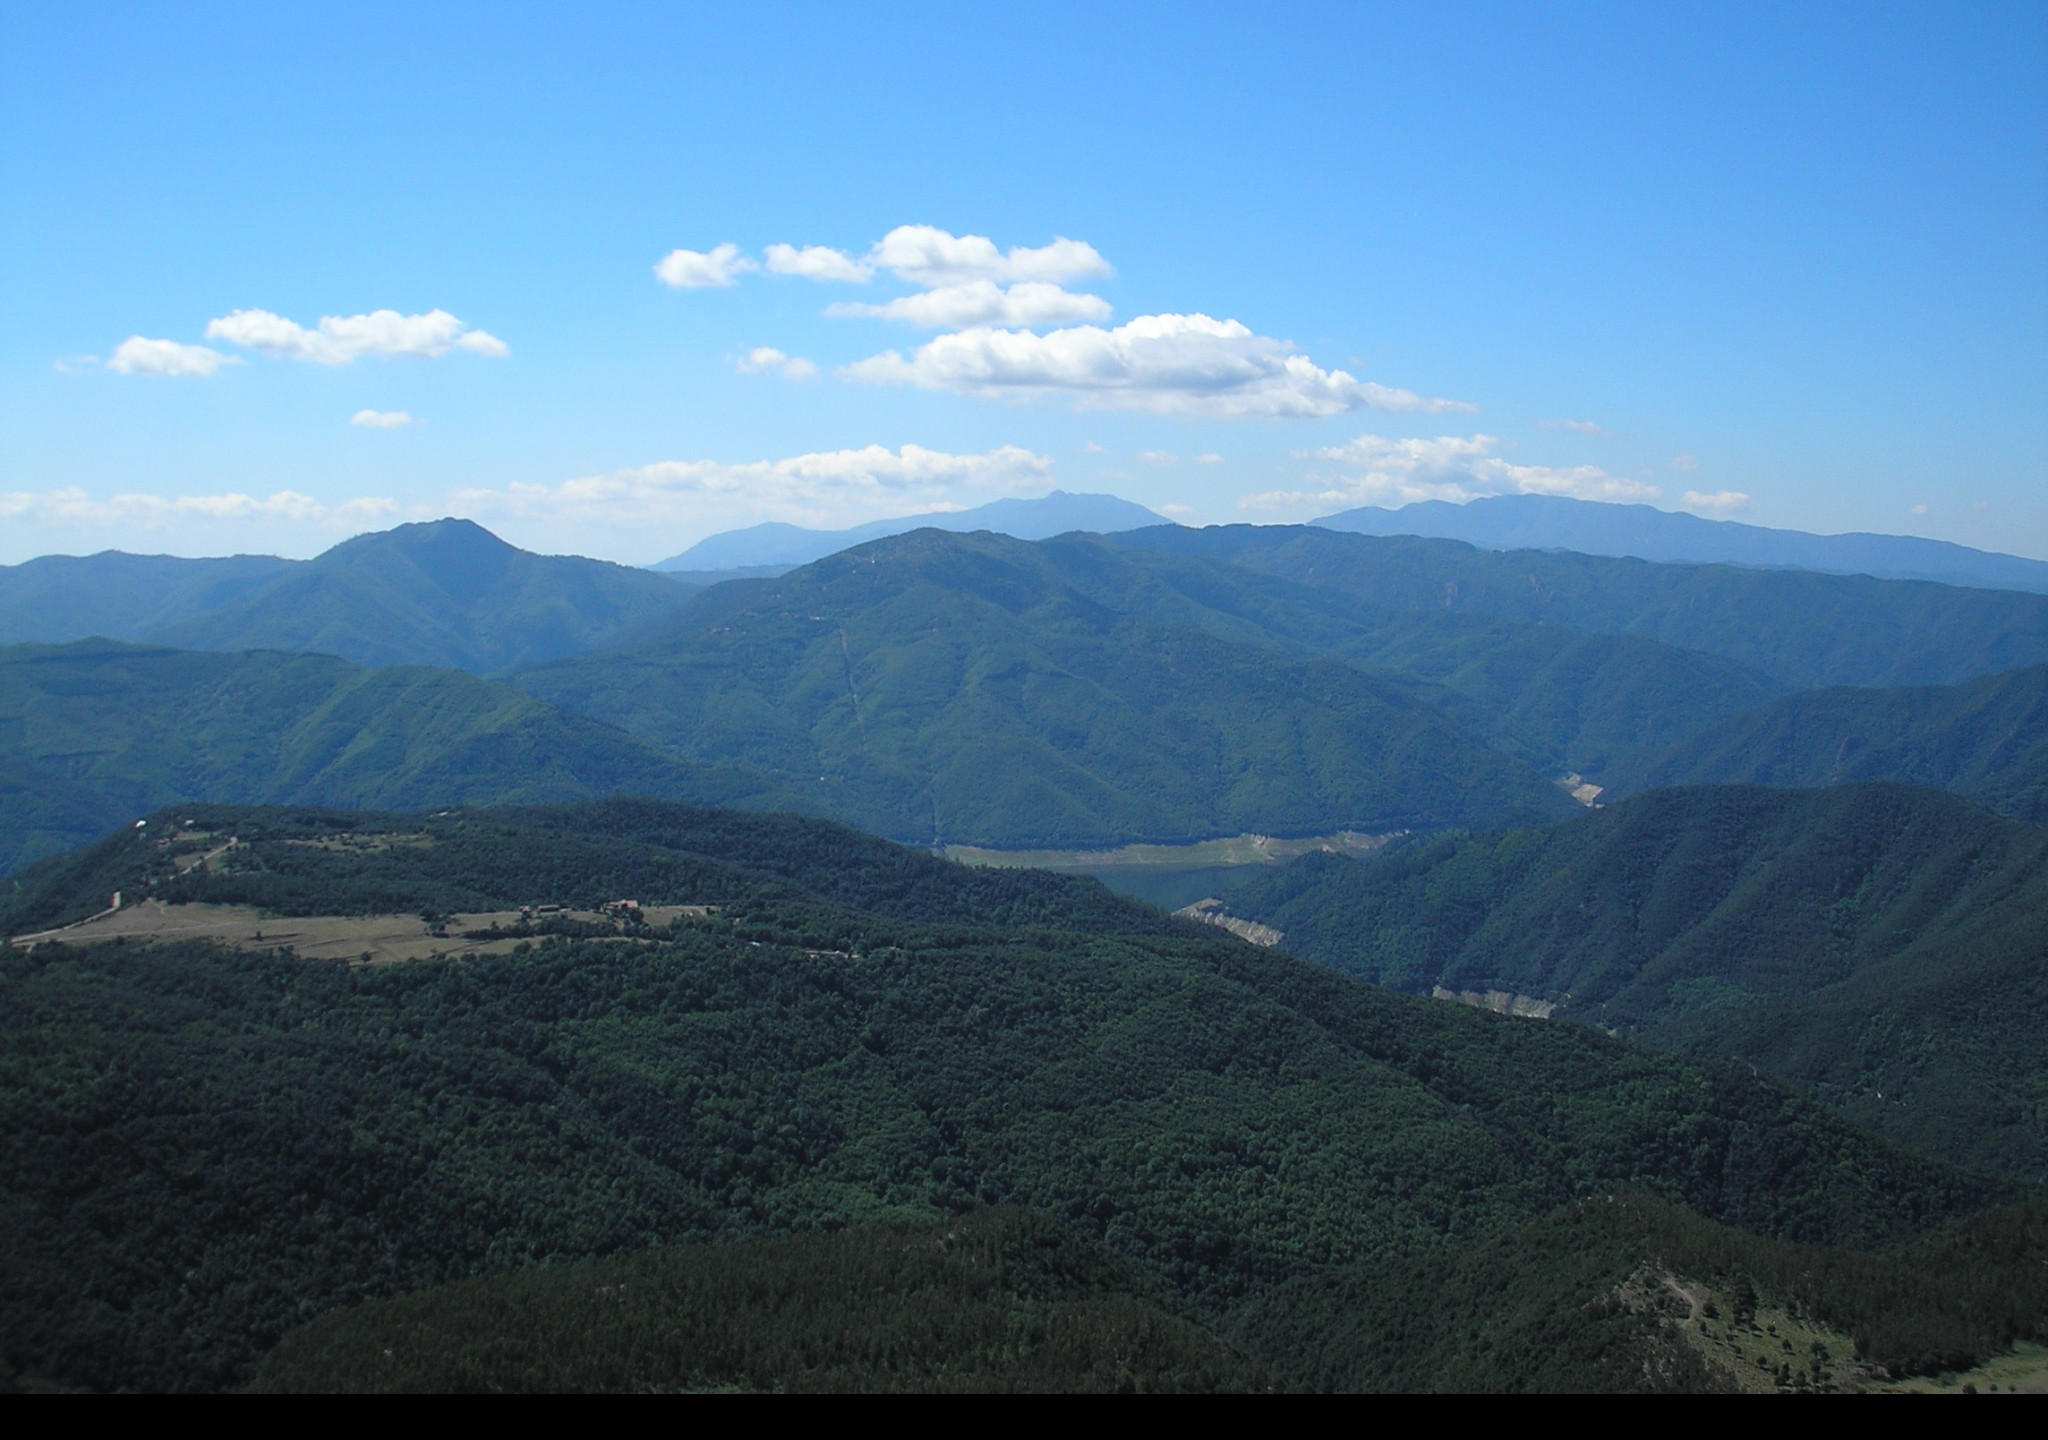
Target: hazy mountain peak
<point>1595,527</point>
<point>775,543</point>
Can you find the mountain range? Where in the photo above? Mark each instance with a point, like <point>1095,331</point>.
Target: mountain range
<point>760,547</point>
<point>446,593</point>
<point>1157,685</point>
<point>1762,844</point>
<point>1557,522</point>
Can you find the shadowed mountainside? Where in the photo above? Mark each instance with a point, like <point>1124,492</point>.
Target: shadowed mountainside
<point>980,690</point>
<point>998,1300</point>
<point>1797,629</point>
<point>59,598</point>
<point>95,734</point>
<point>1986,739</point>
<point>1224,1117</point>
<point>1882,947</point>
<point>1627,1293</point>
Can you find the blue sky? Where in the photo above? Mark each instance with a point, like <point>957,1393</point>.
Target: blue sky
<point>1790,262</point>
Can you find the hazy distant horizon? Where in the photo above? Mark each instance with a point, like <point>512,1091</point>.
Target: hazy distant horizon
<point>614,283</point>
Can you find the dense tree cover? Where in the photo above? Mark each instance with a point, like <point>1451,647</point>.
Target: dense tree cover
<point>304,861</point>
<point>96,734</point>
<point>1798,629</point>
<point>54,599</point>
<point>1564,701</point>
<point>964,689</point>
<point>1561,1304</point>
<point>1883,947</point>
<point>1600,1296</point>
<point>200,1149</point>
<point>446,593</point>
<point>973,689</point>
<point>955,689</point>
<point>1560,698</point>
<point>1986,738</point>
<point>998,1300</point>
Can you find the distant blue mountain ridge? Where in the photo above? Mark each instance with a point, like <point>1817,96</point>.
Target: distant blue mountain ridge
<point>1553,522</point>
<point>774,544</point>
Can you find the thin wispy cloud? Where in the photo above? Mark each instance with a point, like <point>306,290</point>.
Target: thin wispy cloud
<point>345,339</point>
<point>820,488</point>
<point>380,419</point>
<point>1581,427</point>
<point>73,507</point>
<point>1721,502</point>
<point>1375,470</point>
<point>982,302</point>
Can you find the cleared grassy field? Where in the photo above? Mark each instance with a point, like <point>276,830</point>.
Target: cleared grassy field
<point>1172,876</point>
<point>359,939</point>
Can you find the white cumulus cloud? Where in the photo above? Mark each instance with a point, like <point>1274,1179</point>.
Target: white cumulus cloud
<point>816,262</point>
<point>822,488</point>
<point>1168,364</point>
<point>1374,470</point>
<point>767,360</point>
<point>714,269</point>
<point>344,339</point>
<point>380,419</point>
<point>1721,502</point>
<point>928,256</point>
<point>139,356</point>
<point>983,302</point>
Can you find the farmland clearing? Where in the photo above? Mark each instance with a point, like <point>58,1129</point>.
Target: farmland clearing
<point>355,939</point>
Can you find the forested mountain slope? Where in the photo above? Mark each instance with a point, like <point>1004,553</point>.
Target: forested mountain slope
<point>1626,1293</point>
<point>58,598</point>
<point>1618,1294</point>
<point>1799,630</point>
<point>1592,527</point>
<point>95,734</point>
<point>445,593</point>
<point>1558,698</point>
<point>1986,738</point>
<point>1000,1300</point>
<point>980,690</point>
<point>1225,1117</point>
<point>287,861</point>
<point>1885,948</point>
